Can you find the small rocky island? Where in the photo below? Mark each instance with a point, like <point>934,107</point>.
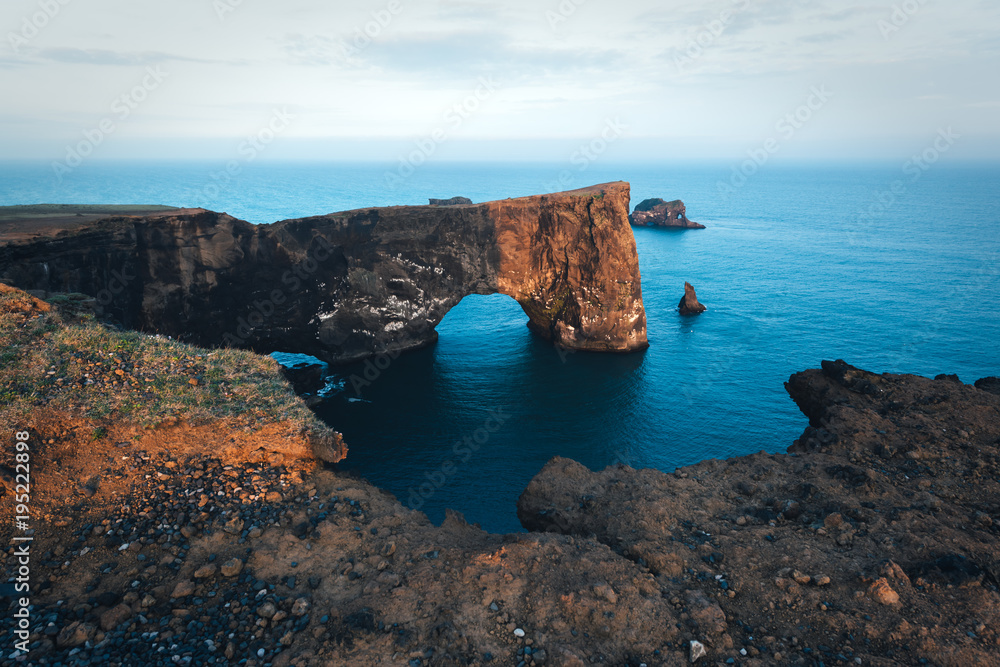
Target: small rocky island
<point>689,304</point>
<point>660,213</point>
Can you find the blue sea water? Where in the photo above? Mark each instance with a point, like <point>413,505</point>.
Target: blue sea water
<point>790,270</point>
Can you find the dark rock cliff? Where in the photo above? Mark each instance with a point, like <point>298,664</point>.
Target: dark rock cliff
<point>350,285</point>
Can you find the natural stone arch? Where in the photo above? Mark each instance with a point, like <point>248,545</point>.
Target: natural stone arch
<point>350,285</point>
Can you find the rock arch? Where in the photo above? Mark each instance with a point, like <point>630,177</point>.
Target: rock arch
<point>350,285</point>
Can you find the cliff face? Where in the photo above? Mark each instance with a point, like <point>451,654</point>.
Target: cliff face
<point>350,285</point>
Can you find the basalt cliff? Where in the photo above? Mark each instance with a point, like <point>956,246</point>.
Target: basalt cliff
<point>350,285</point>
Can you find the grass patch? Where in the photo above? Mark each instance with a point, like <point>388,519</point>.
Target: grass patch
<point>55,358</point>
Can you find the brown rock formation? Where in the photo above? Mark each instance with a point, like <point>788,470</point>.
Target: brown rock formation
<point>689,302</point>
<point>659,213</point>
<point>454,201</point>
<point>350,285</point>
<point>882,522</point>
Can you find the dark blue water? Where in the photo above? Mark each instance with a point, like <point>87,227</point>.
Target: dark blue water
<point>790,272</point>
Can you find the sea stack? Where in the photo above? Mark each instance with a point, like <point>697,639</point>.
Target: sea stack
<point>454,201</point>
<point>689,303</point>
<point>660,213</point>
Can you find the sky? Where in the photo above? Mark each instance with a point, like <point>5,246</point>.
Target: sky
<point>517,79</point>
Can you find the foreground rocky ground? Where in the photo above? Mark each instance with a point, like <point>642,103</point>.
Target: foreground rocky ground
<point>875,541</point>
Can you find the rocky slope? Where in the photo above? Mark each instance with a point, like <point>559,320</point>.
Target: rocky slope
<point>875,541</point>
<point>660,213</point>
<point>351,285</point>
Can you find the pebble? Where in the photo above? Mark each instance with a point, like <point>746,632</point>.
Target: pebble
<point>205,571</point>
<point>518,632</point>
<point>183,589</point>
<point>881,592</point>
<point>697,651</point>
<point>232,567</point>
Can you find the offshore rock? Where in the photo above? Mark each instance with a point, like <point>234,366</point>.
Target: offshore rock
<point>689,302</point>
<point>351,285</point>
<point>454,201</point>
<point>659,213</point>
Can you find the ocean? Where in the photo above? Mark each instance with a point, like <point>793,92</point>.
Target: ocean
<point>891,267</point>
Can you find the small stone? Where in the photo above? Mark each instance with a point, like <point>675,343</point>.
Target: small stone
<point>205,571</point>
<point>697,651</point>
<point>234,526</point>
<point>800,578</point>
<point>115,616</point>
<point>605,592</point>
<point>267,610</point>
<point>821,580</point>
<point>231,568</point>
<point>74,634</point>
<point>300,607</point>
<point>183,589</point>
<point>193,382</point>
<point>255,532</point>
<point>881,592</point>
<point>287,639</point>
<point>518,632</point>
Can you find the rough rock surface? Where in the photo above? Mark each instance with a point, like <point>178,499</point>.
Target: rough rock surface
<point>350,285</point>
<point>659,213</point>
<point>454,201</point>
<point>876,538</point>
<point>689,304</point>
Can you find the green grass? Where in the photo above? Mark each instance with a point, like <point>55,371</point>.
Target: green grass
<point>67,361</point>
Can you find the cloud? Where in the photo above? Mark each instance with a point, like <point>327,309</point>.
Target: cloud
<point>107,57</point>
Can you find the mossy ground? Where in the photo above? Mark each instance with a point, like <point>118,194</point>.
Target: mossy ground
<point>53,356</point>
